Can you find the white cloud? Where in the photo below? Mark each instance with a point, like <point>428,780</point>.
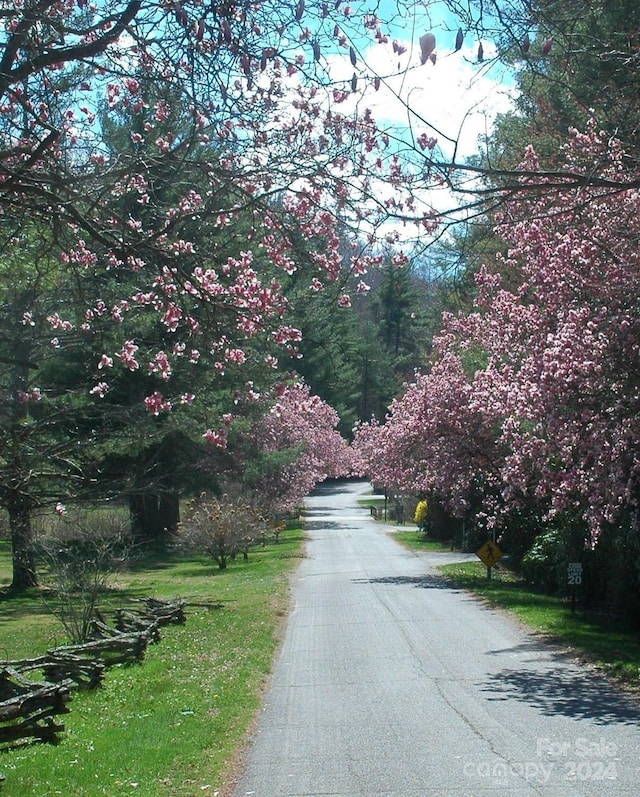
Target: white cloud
<point>454,100</point>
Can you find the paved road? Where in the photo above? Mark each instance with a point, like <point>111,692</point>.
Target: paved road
<point>390,682</point>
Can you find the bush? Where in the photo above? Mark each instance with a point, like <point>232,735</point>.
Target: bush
<point>542,563</point>
<point>82,553</point>
<point>223,528</point>
<point>421,516</point>
<point>545,563</point>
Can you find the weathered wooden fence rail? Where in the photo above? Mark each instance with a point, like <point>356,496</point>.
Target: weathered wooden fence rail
<point>60,667</point>
<point>28,707</point>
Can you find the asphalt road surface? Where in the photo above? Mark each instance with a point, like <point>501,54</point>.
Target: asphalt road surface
<point>391,682</point>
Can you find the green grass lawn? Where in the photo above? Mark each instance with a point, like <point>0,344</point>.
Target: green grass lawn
<point>412,538</point>
<point>372,500</point>
<point>172,725</point>
<point>604,641</point>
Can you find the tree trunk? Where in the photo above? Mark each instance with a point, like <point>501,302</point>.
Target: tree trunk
<point>143,508</point>
<point>23,545</point>
<point>169,511</point>
<point>153,515</point>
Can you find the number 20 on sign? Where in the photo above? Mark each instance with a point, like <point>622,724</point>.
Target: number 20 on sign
<point>574,573</point>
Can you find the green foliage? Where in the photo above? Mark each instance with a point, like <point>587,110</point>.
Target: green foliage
<point>265,465</point>
<point>356,358</point>
<point>375,380</point>
<point>474,358</point>
<point>337,361</point>
<point>393,304</point>
<point>400,301</point>
<point>545,561</point>
<point>613,570</point>
<point>590,71</point>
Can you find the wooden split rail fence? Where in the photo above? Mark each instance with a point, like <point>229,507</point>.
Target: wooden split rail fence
<point>29,706</point>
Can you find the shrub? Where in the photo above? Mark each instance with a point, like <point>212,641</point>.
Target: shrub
<point>223,528</point>
<point>82,553</point>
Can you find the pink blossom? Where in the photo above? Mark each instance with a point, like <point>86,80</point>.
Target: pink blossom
<point>287,334</point>
<point>162,111</point>
<point>127,355</point>
<point>297,420</point>
<point>532,397</point>
<point>156,403</point>
<point>161,366</point>
<point>218,439</point>
<point>57,323</point>
<point>236,356</point>
<point>99,390</point>
<point>426,142</point>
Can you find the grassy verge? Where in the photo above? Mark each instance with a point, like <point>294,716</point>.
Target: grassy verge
<point>612,646</point>
<point>170,726</point>
<point>374,500</point>
<point>412,538</point>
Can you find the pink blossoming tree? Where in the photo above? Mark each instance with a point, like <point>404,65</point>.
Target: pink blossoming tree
<point>292,446</point>
<point>534,395</point>
<point>237,157</point>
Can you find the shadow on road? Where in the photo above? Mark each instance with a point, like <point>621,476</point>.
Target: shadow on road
<point>334,488</point>
<point>425,581</point>
<point>535,646</point>
<point>324,525</point>
<point>320,510</point>
<point>559,691</point>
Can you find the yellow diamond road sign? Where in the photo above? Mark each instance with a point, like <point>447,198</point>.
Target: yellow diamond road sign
<point>489,553</point>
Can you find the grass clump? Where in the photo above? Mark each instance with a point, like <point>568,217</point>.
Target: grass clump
<point>170,726</point>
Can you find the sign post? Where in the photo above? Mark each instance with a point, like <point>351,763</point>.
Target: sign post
<point>574,579</point>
